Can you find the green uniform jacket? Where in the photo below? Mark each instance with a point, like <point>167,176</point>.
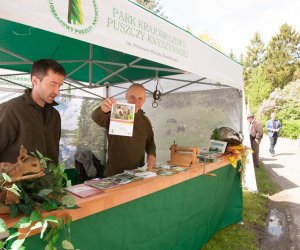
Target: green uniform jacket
<point>23,122</point>
<point>124,152</point>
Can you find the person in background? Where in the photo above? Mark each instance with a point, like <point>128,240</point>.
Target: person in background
<point>256,134</point>
<point>30,119</point>
<point>273,126</point>
<point>125,152</point>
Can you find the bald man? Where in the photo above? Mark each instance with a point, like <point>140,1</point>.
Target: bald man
<point>124,152</point>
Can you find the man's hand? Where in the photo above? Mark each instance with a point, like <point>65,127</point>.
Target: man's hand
<point>151,161</point>
<point>107,104</point>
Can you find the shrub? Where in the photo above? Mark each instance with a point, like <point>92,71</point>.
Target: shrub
<point>290,129</point>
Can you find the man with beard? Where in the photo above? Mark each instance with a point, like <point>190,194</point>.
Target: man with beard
<point>30,119</point>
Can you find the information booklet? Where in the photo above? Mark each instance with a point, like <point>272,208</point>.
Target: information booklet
<point>122,119</point>
<point>102,184</point>
<point>145,174</point>
<point>140,172</point>
<point>83,190</point>
<point>124,178</point>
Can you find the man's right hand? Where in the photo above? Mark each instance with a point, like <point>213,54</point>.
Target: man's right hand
<point>107,104</point>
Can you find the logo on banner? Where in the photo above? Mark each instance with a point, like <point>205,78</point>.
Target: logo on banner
<point>77,16</point>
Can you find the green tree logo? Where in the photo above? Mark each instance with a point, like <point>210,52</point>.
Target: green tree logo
<point>75,12</point>
<point>69,14</point>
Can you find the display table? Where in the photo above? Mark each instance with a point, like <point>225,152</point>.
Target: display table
<point>181,211</point>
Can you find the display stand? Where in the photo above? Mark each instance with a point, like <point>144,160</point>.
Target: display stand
<point>164,212</point>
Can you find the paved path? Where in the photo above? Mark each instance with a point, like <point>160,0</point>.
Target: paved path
<point>285,168</point>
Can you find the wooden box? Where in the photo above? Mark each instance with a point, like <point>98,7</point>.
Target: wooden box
<point>184,156</point>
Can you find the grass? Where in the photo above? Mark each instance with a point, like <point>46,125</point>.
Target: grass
<point>242,236</point>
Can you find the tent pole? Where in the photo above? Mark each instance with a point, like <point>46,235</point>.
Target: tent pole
<point>119,70</point>
<point>107,94</point>
<point>249,176</point>
<point>26,61</point>
<point>110,71</point>
<point>91,66</point>
<point>78,68</point>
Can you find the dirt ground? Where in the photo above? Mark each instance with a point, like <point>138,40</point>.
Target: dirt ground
<point>283,221</point>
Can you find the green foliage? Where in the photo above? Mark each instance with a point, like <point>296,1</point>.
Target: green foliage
<point>205,37</point>
<point>215,134</point>
<point>89,135</point>
<point>286,104</point>
<point>297,71</point>
<point>54,178</point>
<point>242,236</point>
<point>281,55</point>
<point>50,228</point>
<point>256,209</point>
<point>258,90</point>
<point>291,129</point>
<point>233,237</point>
<point>271,67</point>
<point>232,55</point>
<point>153,5</point>
<point>254,57</point>
<point>45,193</point>
<point>254,212</point>
<point>265,184</point>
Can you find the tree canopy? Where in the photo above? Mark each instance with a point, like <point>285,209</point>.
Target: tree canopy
<point>269,72</point>
<point>153,5</point>
<point>273,66</point>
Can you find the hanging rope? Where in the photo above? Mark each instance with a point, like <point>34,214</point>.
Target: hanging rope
<point>156,95</point>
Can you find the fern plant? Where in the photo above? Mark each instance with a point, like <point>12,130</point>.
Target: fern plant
<point>43,194</point>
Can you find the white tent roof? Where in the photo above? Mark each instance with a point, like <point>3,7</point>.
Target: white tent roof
<point>124,26</point>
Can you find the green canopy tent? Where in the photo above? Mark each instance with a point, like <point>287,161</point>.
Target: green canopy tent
<point>109,44</point>
<point>87,65</point>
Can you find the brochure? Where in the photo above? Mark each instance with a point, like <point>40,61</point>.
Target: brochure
<point>179,169</point>
<point>166,172</point>
<point>124,178</point>
<point>122,119</point>
<point>83,190</point>
<point>145,174</point>
<point>105,183</point>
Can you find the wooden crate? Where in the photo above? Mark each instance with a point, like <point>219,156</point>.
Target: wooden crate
<point>184,156</point>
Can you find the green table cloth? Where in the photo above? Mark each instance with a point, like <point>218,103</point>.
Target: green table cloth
<point>184,216</point>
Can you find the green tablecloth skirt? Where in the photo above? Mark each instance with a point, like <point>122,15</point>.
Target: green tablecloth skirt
<point>184,216</point>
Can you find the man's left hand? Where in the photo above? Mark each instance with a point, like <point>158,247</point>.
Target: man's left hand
<point>151,161</point>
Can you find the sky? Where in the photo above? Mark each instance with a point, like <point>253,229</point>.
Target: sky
<point>232,23</point>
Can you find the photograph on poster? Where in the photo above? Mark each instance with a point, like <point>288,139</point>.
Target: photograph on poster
<point>217,146</point>
<point>122,119</point>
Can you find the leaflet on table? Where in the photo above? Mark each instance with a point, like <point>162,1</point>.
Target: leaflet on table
<point>167,169</point>
<point>122,119</point>
<point>112,181</point>
<point>124,178</point>
<point>140,173</point>
<point>105,183</point>
<point>83,190</point>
